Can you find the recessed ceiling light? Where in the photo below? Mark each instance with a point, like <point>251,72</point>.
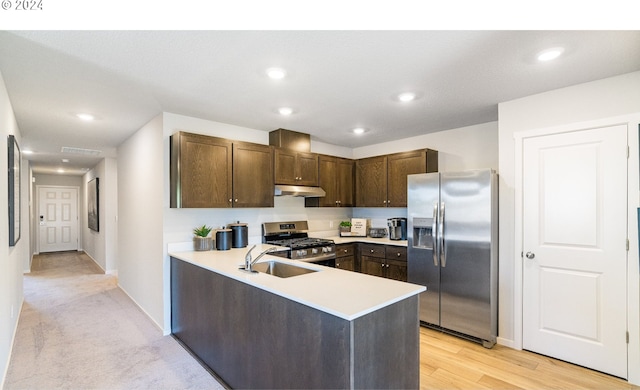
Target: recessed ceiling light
<point>85,117</point>
<point>60,170</point>
<point>285,110</point>
<point>406,96</point>
<point>359,130</point>
<point>27,151</point>
<point>550,54</point>
<point>65,160</point>
<point>276,73</point>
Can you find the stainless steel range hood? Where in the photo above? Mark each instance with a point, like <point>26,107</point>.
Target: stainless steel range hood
<point>304,191</point>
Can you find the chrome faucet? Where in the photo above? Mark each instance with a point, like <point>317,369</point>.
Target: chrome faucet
<point>248,262</point>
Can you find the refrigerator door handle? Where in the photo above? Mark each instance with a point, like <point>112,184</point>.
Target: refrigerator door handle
<point>443,255</point>
<point>434,235</point>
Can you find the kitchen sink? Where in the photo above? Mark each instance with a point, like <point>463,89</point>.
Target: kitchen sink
<point>281,270</point>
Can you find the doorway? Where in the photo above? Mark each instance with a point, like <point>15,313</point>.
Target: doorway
<point>574,248</point>
<point>57,218</point>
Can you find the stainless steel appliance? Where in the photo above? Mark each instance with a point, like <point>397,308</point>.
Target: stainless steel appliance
<point>294,236</point>
<point>453,250</point>
<point>397,228</point>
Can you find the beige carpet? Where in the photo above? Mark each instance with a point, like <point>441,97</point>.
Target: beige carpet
<point>78,330</point>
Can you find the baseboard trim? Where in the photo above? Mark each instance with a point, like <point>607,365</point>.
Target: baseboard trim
<point>13,340</point>
<point>142,309</point>
<point>94,260</point>
<point>506,342</point>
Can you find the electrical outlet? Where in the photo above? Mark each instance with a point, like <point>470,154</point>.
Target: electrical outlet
<point>330,224</point>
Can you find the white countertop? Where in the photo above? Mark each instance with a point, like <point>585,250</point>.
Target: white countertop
<point>368,240</point>
<point>345,294</point>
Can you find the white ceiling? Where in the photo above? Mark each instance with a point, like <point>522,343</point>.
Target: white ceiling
<point>336,80</point>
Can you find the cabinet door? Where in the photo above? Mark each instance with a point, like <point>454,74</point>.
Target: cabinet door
<point>371,182</point>
<point>346,262</point>
<point>328,168</point>
<point>373,266</point>
<point>396,269</point>
<point>399,166</point>
<point>285,166</point>
<point>307,169</point>
<point>252,175</point>
<point>344,182</point>
<point>201,171</point>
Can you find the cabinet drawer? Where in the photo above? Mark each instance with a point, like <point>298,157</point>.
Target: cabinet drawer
<point>343,250</point>
<point>396,253</point>
<point>372,250</point>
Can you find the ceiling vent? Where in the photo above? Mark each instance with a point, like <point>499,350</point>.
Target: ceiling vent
<point>80,151</point>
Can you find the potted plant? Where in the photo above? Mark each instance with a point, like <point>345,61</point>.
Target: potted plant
<point>345,227</point>
<point>201,239</point>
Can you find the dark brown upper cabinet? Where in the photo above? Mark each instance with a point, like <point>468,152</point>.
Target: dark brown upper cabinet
<point>381,181</point>
<point>211,172</point>
<point>201,171</point>
<point>252,175</point>
<point>336,179</point>
<point>296,168</point>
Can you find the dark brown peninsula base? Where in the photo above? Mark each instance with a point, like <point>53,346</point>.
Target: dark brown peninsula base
<point>254,339</point>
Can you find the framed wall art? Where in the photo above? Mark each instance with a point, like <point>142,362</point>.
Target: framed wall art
<point>93,207</point>
<point>14,189</point>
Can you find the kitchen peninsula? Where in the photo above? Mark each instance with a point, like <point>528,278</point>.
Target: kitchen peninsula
<point>325,329</point>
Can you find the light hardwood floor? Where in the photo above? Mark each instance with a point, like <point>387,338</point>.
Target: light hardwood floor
<point>448,362</point>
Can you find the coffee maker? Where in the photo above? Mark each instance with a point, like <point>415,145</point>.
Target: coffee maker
<point>397,228</point>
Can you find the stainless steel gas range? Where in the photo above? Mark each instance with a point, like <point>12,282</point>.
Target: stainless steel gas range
<point>293,235</point>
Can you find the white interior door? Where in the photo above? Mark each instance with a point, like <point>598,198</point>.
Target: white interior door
<point>58,218</point>
<point>574,241</point>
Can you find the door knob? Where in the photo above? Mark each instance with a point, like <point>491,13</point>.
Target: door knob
<point>530,255</point>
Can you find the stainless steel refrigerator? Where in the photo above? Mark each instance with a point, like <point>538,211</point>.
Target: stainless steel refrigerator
<point>453,250</point>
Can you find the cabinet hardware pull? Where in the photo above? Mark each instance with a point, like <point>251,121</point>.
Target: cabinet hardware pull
<point>398,254</point>
<point>372,250</point>
<point>230,200</point>
<point>236,200</point>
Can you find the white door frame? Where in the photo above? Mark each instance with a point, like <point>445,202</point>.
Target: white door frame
<point>37,208</point>
<point>633,268</point>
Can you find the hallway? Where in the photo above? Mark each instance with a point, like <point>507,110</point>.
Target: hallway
<point>77,329</point>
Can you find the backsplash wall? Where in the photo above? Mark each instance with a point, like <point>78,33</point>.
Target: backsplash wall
<point>323,222</point>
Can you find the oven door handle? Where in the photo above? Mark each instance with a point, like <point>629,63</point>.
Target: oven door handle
<point>326,256</point>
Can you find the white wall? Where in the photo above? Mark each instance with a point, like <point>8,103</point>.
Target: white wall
<point>585,102</point>
<point>471,147</point>
<point>101,246</point>
<point>140,223</point>
<point>12,259</point>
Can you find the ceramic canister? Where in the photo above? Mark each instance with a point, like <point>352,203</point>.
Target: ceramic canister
<point>223,239</point>
<point>239,233</point>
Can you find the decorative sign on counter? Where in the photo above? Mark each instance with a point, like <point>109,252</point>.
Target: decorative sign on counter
<point>359,227</point>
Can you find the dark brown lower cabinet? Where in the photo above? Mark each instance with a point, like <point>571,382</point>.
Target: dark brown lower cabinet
<point>386,261</point>
<point>253,339</point>
<point>346,257</point>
